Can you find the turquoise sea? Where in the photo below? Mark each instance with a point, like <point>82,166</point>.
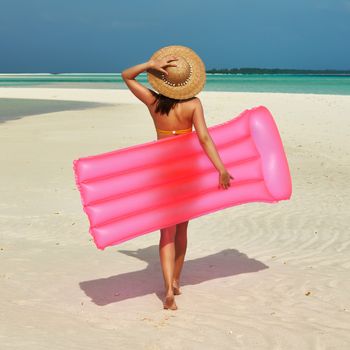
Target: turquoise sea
<point>299,83</point>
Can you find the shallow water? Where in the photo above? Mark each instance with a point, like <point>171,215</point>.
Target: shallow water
<point>288,83</point>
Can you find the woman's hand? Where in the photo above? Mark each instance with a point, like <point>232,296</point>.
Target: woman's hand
<point>164,62</point>
<point>224,179</point>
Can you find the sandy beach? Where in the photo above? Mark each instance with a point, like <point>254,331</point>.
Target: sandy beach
<point>256,276</point>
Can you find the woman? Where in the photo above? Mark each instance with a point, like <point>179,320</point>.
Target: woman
<point>178,74</point>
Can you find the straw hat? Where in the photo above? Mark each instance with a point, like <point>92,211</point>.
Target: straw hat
<point>185,80</point>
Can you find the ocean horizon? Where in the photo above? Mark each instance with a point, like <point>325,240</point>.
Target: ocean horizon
<point>334,84</point>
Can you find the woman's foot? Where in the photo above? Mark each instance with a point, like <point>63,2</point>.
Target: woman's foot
<point>176,288</point>
<point>169,302</point>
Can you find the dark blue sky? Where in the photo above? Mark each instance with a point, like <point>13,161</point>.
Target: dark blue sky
<point>111,35</point>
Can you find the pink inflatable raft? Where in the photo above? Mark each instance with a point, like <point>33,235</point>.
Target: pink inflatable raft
<point>140,189</point>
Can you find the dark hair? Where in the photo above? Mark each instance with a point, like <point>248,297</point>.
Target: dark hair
<point>164,103</point>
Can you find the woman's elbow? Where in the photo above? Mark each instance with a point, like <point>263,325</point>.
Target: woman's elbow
<point>204,139</point>
<point>125,75</point>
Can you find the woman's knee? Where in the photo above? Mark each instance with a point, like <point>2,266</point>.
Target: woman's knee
<point>182,227</point>
<point>168,233</point>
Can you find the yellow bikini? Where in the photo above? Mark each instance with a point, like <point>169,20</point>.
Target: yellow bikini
<point>174,132</point>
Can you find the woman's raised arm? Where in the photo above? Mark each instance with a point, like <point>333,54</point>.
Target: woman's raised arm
<point>208,144</point>
<point>142,92</point>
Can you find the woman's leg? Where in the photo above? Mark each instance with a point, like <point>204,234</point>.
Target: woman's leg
<point>167,259</point>
<point>180,251</point>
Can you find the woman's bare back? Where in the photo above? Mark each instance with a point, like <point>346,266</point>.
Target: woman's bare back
<point>180,117</point>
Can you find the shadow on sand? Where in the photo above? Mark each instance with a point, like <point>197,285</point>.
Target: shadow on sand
<point>134,284</point>
<point>16,108</point>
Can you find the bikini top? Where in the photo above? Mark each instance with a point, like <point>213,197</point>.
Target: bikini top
<point>174,132</point>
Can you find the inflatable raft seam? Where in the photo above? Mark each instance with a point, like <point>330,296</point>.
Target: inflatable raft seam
<point>173,180</point>
<point>208,211</point>
<point>203,192</point>
<point>161,162</point>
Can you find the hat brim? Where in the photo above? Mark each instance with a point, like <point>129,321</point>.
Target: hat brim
<point>196,81</point>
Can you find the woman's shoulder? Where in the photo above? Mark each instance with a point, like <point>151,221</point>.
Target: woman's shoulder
<point>191,99</point>
<point>191,102</point>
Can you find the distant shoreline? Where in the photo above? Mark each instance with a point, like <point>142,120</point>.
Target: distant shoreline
<point>279,71</point>
<point>232,71</point>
